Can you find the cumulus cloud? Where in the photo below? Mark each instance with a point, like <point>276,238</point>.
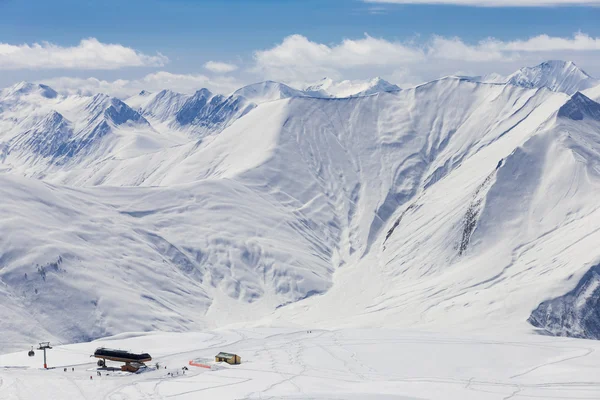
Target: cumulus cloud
<point>496,3</point>
<point>220,67</point>
<point>88,54</point>
<point>543,43</point>
<point>123,88</point>
<point>298,59</point>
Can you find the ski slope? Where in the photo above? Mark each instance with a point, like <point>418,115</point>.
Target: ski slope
<point>323,364</point>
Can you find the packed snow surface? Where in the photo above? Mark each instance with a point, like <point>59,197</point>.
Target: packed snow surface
<point>322,364</point>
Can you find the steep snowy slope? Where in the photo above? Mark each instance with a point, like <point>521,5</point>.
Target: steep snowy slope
<point>200,114</point>
<point>291,200</point>
<point>593,93</point>
<point>161,106</point>
<point>204,113</point>
<point>27,89</point>
<point>148,259</point>
<point>521,230</point>
<point>139,100</point>
<point>45,135</point>
<point>558,76</point>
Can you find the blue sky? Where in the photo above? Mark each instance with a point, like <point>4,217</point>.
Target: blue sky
<point>187,34</point>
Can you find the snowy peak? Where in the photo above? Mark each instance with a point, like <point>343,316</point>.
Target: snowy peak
<point>113,110</point>
<point>327,87</point>
<point>162,105</point>
<point>319,88</point>
<point>378,85</point>
<point>558,76</point>
<point>120,113</point>
<point>205,113</point>
<point>193,106</point>
<point>48,137</point>
<point>26,88</point>
<point>580,107</point>
<point>268,91</point>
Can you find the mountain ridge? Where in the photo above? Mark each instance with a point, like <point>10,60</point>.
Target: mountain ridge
<point>390,209</point>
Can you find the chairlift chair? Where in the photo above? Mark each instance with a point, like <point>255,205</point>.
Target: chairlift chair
<point>31,352</point>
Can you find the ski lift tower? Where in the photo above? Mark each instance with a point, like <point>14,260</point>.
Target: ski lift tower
<point>45,346</point>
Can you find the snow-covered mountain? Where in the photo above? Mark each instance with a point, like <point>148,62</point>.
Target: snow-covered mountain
<point>206,112</point>
<point>554,75</point>
<point>268,91</point>
<point>558,76</point>
<point>42,130</point>
<point>327,87</point>
<point>199,114</point>
<point>21,89</point>
<point>457,204</point>
<point>161,106</point>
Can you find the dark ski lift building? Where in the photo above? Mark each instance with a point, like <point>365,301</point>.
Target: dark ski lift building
<point>133,361</point>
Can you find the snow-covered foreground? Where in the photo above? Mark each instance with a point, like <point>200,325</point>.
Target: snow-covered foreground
<point>341,364</point>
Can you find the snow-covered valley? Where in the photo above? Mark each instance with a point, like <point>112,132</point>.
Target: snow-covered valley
<point>460,207</point>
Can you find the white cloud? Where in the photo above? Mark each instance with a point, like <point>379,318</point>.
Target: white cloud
<point>220,67</point>
<point>88,54</point>
<point>123,88</point>
<point>541,43</point>
<point>496,3</point>
<point>297,59</point>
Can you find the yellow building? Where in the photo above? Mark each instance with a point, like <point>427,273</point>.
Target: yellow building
<point>228,358</point>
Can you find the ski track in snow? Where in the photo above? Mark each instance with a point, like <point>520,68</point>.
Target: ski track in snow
<point>586,353</point>
<point>336,364</point>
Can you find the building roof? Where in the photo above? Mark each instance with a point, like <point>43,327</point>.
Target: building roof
<point>121,355</point>
<point>225,355</point>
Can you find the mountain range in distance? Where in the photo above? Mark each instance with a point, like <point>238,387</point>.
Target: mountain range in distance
<point>466,203</point>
